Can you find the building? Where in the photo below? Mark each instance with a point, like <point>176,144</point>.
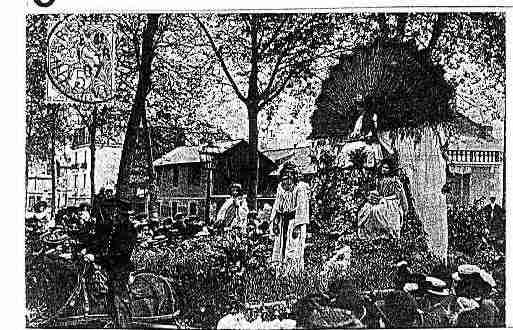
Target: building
<point>476,170</point>
<point>183,177</point>
<point>74,168</point>
<point>39,185</point>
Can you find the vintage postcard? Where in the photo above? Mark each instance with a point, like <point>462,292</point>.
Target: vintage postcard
<point>265,169</point>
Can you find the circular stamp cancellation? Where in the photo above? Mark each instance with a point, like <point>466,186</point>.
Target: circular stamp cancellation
<point>80,64</point>
<point>44,3</point>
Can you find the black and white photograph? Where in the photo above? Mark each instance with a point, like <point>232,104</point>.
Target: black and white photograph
<point>265,169</point>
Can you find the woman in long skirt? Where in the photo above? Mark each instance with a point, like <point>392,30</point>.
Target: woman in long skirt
<point>289,216</point>
<point>385,210</point>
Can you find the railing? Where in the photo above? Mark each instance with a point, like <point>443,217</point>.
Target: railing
<point>476,156</point>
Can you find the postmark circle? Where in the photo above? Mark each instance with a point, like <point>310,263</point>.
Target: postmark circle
<point>80,63</point>
<point>44,3</point>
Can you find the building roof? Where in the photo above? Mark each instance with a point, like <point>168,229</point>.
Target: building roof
<point>191,154</point>
<point>469,135</point>
<point>300,156</point>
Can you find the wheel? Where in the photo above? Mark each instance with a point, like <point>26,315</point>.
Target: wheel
<point>48,285</point>
<point>151,295</point>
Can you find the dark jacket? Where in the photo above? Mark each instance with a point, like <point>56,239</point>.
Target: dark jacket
<point>116,248</point>
<point>495,219</point>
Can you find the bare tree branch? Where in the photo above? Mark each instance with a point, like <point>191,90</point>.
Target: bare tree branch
<point>275,35</point>
<point>278,91</point>
<point>221,60</point>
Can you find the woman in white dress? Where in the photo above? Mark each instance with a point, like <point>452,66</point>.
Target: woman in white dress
<point>234,211</point>
<point>384,212</point>
<point>289,217</point>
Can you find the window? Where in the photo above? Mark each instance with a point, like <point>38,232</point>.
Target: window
<point>165,177</point>
<point>85,158</point>
<point>194,178</point>
<point>76,157</point>
<point>193,209</point>
<point>176,173</point>
<point>32,201</point>
<point>85,179</point>
<point>75,178</point>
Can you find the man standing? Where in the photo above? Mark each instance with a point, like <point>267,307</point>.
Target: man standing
<point>116,240</point>
<point>494,215</point>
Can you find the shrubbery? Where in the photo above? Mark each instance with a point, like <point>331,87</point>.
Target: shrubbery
<point>468,229</point>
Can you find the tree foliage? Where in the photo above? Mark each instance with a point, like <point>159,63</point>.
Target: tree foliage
<point>261,55</point>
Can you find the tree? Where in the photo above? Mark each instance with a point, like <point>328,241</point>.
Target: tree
<point>176,82</point>
<point>263,54</point>
<point>138,117</point>
<point>47,127</point>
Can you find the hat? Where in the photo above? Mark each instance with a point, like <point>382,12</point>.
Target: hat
<point>410,287</point>
<point>401,263</point>
<point>236,185</point>
<point>467,303</point>
<point>289,169</point>
<point>141,223</point>
<point>466,270</point>
<point>436,286</point>
<point>358,99</point>
<point>487,278</point>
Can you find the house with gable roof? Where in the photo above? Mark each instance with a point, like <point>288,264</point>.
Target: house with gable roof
<point>182,177</point>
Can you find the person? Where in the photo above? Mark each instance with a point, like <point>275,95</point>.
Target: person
<point>42,215</point>
<point>116,241</point>
<point>400,309</point>
<point>385,207</point>
<point>473,287</point>
<point>315,311</point>
<point>289,218</point>
<point>262,221</point>
<point>437,304</point>
<point>234,212</point>
<point>365,137</point>
<point>84,229</point>
<point>494,215</point>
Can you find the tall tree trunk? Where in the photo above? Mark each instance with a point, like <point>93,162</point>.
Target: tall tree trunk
<point>52,159</point>
<point>253,109</point>
<point>138,108</point>
<point>253,154</point>
<point>92,148</point>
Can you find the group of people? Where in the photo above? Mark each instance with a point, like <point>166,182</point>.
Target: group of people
<point>104,237</point>
<point>107,235</point>
<point>462,300</point>
<point>286,220</point>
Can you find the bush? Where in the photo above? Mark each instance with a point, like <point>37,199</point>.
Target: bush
<point>468,229</point>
